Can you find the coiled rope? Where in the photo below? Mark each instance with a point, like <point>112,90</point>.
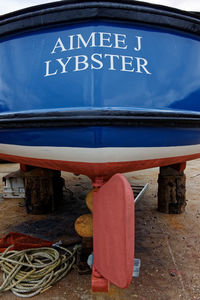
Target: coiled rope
<point>32,271</point>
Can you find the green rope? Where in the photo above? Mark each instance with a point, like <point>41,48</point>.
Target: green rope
<point>32,271</point>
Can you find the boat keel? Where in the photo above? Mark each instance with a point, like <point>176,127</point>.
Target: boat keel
<point>113,233</point>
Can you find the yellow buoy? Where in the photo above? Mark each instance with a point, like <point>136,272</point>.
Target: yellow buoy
<point>89,199</point>
<point>84,225</point>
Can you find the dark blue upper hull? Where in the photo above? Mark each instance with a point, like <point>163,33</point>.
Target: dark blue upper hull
<point>101,65</point>
<point>99,75</point>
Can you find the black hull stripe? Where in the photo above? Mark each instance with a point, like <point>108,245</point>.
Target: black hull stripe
<point>100,118</point>
<point>65,12</point>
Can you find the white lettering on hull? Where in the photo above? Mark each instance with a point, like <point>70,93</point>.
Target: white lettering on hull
<point>97,61</point>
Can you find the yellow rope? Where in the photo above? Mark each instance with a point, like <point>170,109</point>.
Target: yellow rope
<point>32,271</point>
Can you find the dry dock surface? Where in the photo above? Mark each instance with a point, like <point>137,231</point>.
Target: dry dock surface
<point>168,245</point>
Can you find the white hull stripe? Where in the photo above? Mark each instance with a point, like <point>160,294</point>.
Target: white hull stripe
<point>98,155</point>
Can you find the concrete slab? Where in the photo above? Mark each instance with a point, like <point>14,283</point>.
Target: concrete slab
<point>168,245</point>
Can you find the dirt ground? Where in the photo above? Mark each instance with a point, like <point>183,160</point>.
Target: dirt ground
<point>168,245</point>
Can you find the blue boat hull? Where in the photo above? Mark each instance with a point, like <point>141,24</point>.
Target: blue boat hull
<point>94,97</point>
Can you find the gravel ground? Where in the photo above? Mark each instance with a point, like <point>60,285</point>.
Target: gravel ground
<point>168,245</point>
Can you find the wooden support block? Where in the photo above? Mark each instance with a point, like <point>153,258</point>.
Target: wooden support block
<point>43,190</point>
<point>171,190</point>
<point>86,250</point>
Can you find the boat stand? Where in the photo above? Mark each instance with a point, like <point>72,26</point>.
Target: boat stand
<point>171,189</point>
